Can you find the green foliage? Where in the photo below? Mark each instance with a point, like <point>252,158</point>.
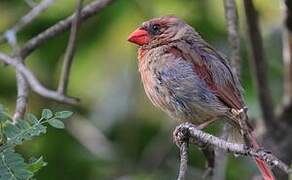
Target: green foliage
<point>12,164</point>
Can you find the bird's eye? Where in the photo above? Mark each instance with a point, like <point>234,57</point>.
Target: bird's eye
<point>155,29</point>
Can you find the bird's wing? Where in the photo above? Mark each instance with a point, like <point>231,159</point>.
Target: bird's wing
<point>212,68</point>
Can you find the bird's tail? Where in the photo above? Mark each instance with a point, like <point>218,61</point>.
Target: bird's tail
<point>263,167</point>
<point>250,139</point>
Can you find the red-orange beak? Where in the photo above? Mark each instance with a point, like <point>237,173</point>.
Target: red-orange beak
<point>139,36</point>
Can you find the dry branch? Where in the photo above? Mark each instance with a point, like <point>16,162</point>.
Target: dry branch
<point>22,86</point>
<point>88,11</point>
<point>22,96</point>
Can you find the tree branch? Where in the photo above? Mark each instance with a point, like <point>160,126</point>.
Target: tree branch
<point>69,55</point>
<point>90,10</point>
<point>35,85</point>
<point>28,18</point>
<point>22,96</point>
<point>231,17</point>
<point>22,86</point>
<point>287,59</point>
<point>203,139</point>
<point>259,65</point>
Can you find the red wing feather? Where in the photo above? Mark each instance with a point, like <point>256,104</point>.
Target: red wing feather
<point>227,93</point>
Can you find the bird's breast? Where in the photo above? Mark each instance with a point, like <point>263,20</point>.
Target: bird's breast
<point>149,70</point>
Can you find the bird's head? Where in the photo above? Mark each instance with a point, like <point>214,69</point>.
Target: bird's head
<point>159,31</point>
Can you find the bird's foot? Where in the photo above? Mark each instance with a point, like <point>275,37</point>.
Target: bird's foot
<point>181,133</point>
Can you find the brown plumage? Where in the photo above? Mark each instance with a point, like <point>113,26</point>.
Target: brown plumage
<point>188,79</point>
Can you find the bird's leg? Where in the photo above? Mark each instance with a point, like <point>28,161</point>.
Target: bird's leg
<point>205,124</point>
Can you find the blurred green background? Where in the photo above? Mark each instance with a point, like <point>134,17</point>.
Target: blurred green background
<point>116,133</point>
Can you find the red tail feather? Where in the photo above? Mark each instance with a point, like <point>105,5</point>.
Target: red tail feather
<point>263,167</point>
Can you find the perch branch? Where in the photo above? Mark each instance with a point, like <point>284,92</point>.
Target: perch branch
<point>35,85</point>
<point>28,18</point>
<point>231,17</point>
<point>203,139</point>
<point>88,11</point>
<point>69,55</point>
<point>259,64</point>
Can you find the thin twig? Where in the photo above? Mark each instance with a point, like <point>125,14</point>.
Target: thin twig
<point>183,161</point>
<point>88,11</point>
<point>28,18</point>
<point>203,139</point>
<point>231,16</point>
<point>22,86</point>
<point>35,85</point>
<point>259,65</point>
<point>69,55</point>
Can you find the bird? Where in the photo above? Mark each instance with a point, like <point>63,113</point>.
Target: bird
<point>191,81</point>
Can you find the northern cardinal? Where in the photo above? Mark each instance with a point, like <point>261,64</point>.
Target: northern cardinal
<point>189,80</point>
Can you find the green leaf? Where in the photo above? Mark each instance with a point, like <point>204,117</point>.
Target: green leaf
<point>12,166</point>
<point>32,118</point>
<point>63,114</point>
<point>36,164</point>
<point>56,123</point>
<point>47,114</point>
<point>22,130</point>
